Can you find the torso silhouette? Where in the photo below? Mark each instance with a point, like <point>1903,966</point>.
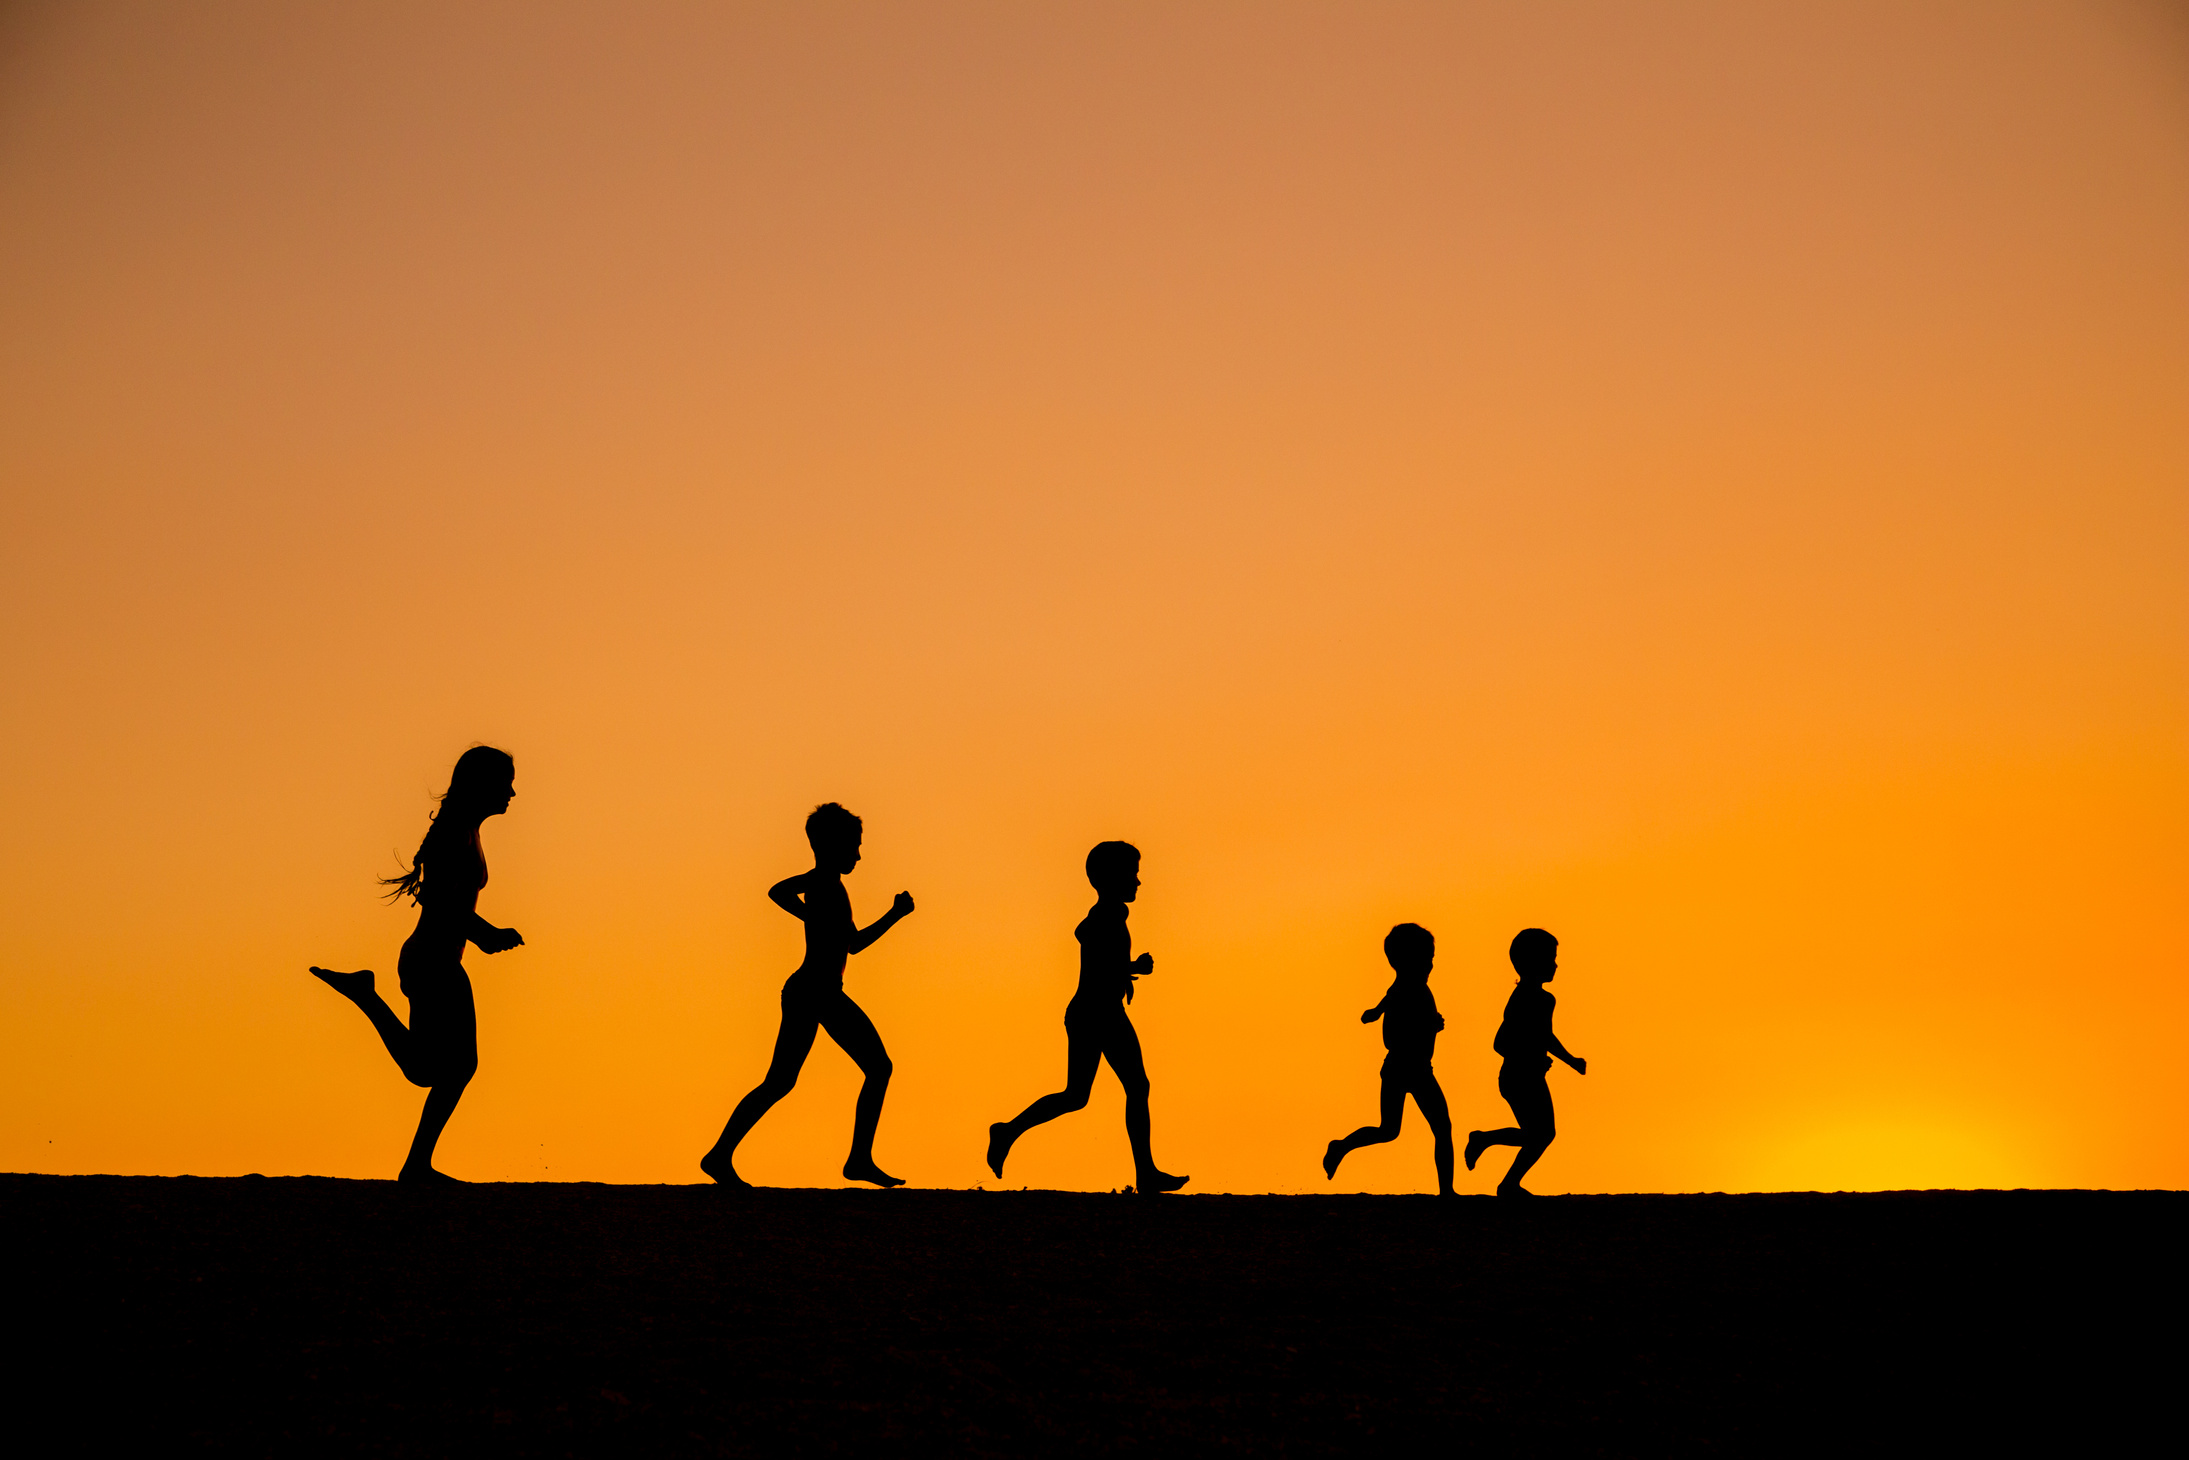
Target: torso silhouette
<point>1524,1038</point>
<point>448,903</point>
<point>828,930</point>
<point>1105,960</point>
<point>1410,1022</point>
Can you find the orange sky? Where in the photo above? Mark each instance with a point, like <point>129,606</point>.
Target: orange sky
<point>1712,481</point>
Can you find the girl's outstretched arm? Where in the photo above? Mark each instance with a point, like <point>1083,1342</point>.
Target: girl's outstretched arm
<point>491,939</point>
<point>788,895</point>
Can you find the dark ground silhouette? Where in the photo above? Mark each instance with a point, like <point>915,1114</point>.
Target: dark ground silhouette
<point>1096,1026</point>
<point>814,999</point>
<point>321,1316</point>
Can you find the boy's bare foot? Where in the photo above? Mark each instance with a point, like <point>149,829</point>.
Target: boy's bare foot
<point>1515,1190</point>
<point>1151,1183</point>
<point>351,986</point>
<point>999,1147</point>
<point>870,1172</point>
<point>723,1173</point>
<point>426,1176</point>
<point>1332,1155</point>
<point>1475,1147</point>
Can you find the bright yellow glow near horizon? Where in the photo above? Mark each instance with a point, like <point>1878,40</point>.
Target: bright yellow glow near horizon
<point>1709,480</point>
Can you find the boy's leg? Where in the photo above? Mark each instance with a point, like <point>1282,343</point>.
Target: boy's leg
<point>1530,1098</point>
<point>1429,1095</point>
<point>1393,1105</point>
<point>1083,1056</point>
<point>856,1035</point>
<point>1121,1047</point>
<point>793,1041</point>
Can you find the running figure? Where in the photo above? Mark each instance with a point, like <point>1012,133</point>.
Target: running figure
<point>814,999</point>
<point>1526,1042</point>
<point>440,1047</point>
<point>1410,1025</point>
<point>1095,1023</point>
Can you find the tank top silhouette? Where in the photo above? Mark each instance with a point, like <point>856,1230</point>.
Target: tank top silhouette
<point>1411,1022</point>
<point>1524,1038</point>
<point>1105,959</point>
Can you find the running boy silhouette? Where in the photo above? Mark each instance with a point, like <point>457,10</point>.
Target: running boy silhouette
<point>1095,1023</point>
<point>1410,1025</point>
<point>1526,1041</point>
<point>814,998</point>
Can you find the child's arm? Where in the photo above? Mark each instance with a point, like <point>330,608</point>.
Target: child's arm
<point>1580,1066</point>
<point>863,938</point>
<point>491,939</point>
<point>788,895</point>
<point>1370,1016</point>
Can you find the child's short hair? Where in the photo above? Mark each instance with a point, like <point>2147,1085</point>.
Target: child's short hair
<point>1532,947</point>
<point>1109,860</point>
<point>831,825</point>
<point>1409,943</point>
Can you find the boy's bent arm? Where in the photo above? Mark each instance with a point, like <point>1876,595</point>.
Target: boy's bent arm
<point>863,938</point>
<point>1580,1066</point>
<point>786,895</point>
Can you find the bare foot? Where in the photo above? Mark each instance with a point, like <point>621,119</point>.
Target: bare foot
<point>723,1173</point>
<point>426,1176</point>
<point>1475,1147</point>
<point>999,1147</point>
<point>870,1172</point>
<point>1514,1190</point>
<point>355,987</point>
<point>1151,1183</point>
<point>1332,1155</point>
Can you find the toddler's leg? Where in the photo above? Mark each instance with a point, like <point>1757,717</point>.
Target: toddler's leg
<point>1394,1113</point>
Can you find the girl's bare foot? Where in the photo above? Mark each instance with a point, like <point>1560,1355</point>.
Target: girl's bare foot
<point>1149,1183</point>
<point>999,1147</point>
<point>426,1176</point>
<point>1332,1155</point>
<point>1514,1190</point>
<point>1475,1147</point>
<point>868,1171</point>
<point>724,1174</point>
<point>352,986</point>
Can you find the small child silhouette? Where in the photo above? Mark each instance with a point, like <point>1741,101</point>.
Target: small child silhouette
<point>1096,1026</point>
<point>1410,1025</point>
<point>814,998</point>
<point>1526,1042</point>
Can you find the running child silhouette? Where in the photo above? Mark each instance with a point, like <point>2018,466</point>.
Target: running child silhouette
<point>1410,1025</point>
<point>1526,1042</point>
<point>814,999</point>
<point>1095,1022</point>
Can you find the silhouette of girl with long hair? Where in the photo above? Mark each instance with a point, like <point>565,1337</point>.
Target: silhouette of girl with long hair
<point>1096,1025</point>
<point>439,1049</point>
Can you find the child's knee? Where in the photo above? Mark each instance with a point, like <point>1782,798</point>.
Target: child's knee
<point>879,1068</point>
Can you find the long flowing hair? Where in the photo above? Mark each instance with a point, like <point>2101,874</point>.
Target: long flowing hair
<point>479,771</point>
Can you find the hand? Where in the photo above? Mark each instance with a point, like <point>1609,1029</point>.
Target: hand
<point>500,940</point>
<point>1580,1065</point>
<point>902,905</point>
<point>1370,1016</point>
<point>1143,965</point>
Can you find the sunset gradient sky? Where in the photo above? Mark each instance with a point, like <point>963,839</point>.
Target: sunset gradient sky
<point>1711,480</point>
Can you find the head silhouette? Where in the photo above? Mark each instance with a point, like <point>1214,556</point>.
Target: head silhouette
<point>834,834</point>
<point>1411,948</point>
<point>1535,955</point>
<point>1114,869</point>
<point>482,785</point>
